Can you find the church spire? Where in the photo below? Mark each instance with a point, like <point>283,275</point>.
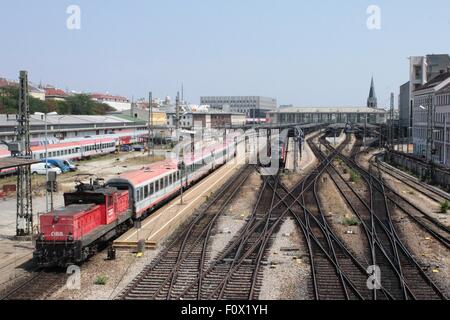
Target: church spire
<point>372,100</point>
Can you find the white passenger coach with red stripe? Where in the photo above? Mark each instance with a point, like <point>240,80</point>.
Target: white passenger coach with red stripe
<point>154,184</point>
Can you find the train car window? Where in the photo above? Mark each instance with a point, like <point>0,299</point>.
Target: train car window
<point>170,180</point>
<point>151,189</point>
<point>156,186</point>
<point>166,181</point>
<point>161,183</point>
<point>142,194</point>
<point>146,192</point>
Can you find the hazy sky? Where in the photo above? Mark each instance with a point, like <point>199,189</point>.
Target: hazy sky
<point>301,52</point>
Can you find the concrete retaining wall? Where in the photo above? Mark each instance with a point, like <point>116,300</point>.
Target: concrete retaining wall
<point>440,177</point>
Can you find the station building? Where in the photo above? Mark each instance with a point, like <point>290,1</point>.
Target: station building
<point>206,120</point>
<point>351,115</point>
<point>70,126</point>
<point>254,107</point>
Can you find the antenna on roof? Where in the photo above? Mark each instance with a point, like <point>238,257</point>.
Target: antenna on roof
<point>182,92</point>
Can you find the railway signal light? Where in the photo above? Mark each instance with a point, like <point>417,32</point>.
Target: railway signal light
<point>52,186</point>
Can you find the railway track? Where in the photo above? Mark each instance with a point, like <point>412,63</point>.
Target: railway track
<point>183,270</point>
<point>337,273</point>
<point>39,286</point>
<point>424,220</point>
<point>237,274</point>
<point>423,188</point>
<point>182,262</point>
<point>403,277</point>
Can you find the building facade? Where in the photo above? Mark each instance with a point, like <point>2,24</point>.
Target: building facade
<point>117,102</point>
<point>422,69</point>
<point>206,120</point>
<point>351,115</point>
<point>404,106</point>
<point>431,115</point>
<point>55,94</point>
<point>251,106</point>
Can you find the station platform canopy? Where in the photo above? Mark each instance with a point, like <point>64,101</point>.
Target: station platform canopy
<point>10,162</point>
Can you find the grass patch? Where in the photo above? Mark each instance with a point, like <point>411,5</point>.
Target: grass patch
<point>101,280</point>
<point>445,206</point>
<point>350,221</point>
<point>354,176</point>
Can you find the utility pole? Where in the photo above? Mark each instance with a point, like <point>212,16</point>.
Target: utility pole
<point>151,144</point>
<point>177,106</point>
<point>365,130</point>
<point>182,92</point>
<point>391,124</point>
<point>430,136</point>
<point>445,139</point>
<point>24,219</point>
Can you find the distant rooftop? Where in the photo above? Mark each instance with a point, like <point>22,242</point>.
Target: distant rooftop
<point>108,97</point>
<point>435,81</point>
<point>54,92</point>
<point>65,120</point>
<point>329,110</point>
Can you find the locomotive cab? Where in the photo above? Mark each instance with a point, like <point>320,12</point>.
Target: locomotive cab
<point>92,214</point>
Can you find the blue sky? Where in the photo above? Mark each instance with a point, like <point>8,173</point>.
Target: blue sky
<point>301,52</point>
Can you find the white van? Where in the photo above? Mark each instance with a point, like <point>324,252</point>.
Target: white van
<point>39,168</point>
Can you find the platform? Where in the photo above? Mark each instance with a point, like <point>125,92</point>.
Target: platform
<point>167,219</point>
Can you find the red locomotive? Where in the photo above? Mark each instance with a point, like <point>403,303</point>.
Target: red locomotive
<point>92,215</point>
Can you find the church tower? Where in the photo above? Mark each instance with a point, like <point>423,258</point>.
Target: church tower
<point>372,100</point>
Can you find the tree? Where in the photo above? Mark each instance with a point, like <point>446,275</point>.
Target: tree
<point>79,104</point>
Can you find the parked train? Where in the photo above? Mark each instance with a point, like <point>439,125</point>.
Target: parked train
<point>95,214</point>
<point>77,148</point>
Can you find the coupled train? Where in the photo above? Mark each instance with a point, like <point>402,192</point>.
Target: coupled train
<point>96,213</point>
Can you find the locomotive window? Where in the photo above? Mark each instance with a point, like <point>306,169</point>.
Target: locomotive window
<point>145,192</point>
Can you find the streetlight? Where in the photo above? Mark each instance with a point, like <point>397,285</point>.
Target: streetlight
<point>44,117</point>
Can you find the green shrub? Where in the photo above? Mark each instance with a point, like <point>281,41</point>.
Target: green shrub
<point>350,221</point>
<point>354,176</point>
<point>101,280</point>
<point>445,206</point>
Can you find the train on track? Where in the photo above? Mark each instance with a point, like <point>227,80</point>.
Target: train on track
<point>79,148</point>
<point>97,212</point>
